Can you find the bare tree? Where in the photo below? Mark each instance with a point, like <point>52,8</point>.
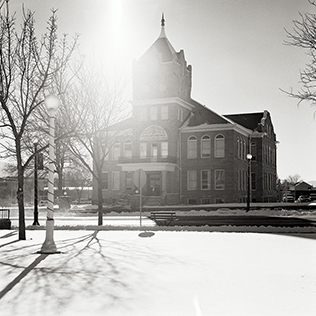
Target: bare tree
<point>304,36</point>
<point>96,105</point>
<point>27,68</point>
<point>293,179</point>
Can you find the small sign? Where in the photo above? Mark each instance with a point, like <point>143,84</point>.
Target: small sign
<point>139,178</point>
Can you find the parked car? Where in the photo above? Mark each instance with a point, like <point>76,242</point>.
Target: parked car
<point>288,197</point>
<point>303,199</point>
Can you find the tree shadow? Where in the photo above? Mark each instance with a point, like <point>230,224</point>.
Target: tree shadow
<point>88,266</point>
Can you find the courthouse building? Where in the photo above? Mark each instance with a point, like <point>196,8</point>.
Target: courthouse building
<point>190,154</point>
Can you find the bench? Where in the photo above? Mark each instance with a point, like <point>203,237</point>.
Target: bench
<point>5,222</point>
<point>163,218</point>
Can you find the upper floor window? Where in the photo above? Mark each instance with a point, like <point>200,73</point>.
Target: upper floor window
<point>238,148</point>
<point>164,112</point>
<point>164,149</point>
<point>128,148</point>
<point>105,180</point>
<point>154,150</point>
<point>116,150</point>
<point>143,150</point>
<point>192,147</point>
<point>153,113</point>
<point>253,151</point>
<point>219,146</point>
<point>206,146</point>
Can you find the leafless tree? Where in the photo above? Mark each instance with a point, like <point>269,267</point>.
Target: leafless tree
<point>303,36</point>
<point>28,65</point>
<point>293,179</point>
<point>97,103</point>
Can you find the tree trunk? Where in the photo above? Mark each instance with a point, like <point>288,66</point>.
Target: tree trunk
<point>20,198</point>
<point>100,202</point>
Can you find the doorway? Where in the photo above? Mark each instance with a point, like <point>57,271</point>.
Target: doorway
<point>154,184</point>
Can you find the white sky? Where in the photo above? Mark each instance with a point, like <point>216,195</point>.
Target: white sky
<point>236,49</point>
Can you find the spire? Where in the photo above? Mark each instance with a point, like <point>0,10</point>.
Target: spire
<point>162,33</point>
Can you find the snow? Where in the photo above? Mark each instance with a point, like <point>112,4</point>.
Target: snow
<point>116,272</point>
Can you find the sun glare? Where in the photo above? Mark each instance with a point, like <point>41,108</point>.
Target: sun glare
<point>116,16</point>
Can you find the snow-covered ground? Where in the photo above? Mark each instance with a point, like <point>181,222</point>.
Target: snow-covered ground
<point>172,273</point>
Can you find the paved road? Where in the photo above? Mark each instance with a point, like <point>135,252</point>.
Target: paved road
<point>134,221</point>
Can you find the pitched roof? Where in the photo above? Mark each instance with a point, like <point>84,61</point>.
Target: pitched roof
<point>202,115</point>
<point>248,120</point>
<point>162,45</point>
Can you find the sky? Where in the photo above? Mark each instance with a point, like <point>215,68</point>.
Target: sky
<point>236,48</point>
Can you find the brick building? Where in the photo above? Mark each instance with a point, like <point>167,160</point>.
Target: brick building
<point>190,154</point>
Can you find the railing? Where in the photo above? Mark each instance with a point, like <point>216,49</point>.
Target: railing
<point>137,159</point>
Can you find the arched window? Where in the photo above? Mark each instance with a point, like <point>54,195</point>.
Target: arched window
<point>219,146</point>
<point>206,146</point>
<point>116,150</point>
<point>192,147</point>
<point>128,148</point>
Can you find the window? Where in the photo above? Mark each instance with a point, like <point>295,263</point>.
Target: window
<point>192,147</point>
<point>205,201</point>
<point>219,146</point>
<point>128,148</point>
<point>116,150</point>
<point>115,180</point>
<point>238,148</point>
<point>164,149</point>
<point>238,180</point>
<point>253,151</point>
<point>164,112</point>
<point>192,179</point>
<point>205,179</point>
<point>153,113</point>
<point>143,150</point>
<point>220,179</point>
<point>105,180</point>
<point>206,146</point>
<point>154,150</point>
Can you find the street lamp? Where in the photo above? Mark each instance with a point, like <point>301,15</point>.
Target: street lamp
<point>249,157</point>
<point>35,186</point>
<point>52,103</point>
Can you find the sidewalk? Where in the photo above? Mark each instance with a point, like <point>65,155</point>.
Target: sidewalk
<point>118,273</point>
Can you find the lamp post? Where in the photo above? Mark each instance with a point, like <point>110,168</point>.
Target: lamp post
<point>249,157</point>
<point>35,186</point>
<point>52,103</point>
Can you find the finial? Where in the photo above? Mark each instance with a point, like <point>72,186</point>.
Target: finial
<point>162,33</point>
<point>163,19</point>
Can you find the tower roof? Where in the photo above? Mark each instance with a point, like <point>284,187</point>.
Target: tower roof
<point>162,45</point>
